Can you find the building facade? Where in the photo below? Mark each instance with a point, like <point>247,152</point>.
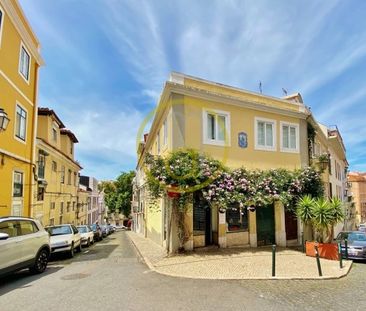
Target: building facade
<point>57,172</point>
<point>95,209</point>
<point>357,194</point>
<point>20,61</point>
<point>239,128</point>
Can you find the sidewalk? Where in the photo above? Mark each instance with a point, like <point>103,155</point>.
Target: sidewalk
<point>235,263</point>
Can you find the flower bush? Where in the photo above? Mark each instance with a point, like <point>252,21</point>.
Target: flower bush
<point>188,171</point>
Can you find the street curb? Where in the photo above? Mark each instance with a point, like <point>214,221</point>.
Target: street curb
<point>147,261</point>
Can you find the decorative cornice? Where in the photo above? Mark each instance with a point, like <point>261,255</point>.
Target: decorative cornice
<point>22,30</point>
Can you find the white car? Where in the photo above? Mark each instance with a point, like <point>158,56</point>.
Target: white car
<point>23,244</point>
<point>64,239</point>
<point>87,235</point>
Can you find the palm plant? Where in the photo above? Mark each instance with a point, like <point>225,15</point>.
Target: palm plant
<point>305,208</point>
<point>322,217</point>
<point>336,208</point>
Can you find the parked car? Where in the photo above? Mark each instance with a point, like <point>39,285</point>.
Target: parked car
<point>87,235</point>
<point>105,230</point>
<point>362,227</point>
<point>23,244</point>
<point>120,227</point>
<point>64,239</point>
<point>356,244</point>
<point>98,235</point>
<point>110,228</point>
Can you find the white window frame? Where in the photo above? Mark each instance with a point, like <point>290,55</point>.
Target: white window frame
<point>16,125</point>
<point>206,140</point>
<point>297,134</point>
<point>274,131</point>
<point>22,46</point>
<point>12,190</point>
<point>2,21</point>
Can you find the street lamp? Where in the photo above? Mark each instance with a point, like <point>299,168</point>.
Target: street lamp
<point>4,120</point>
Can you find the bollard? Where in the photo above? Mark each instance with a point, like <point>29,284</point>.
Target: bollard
<point>274,260</point>
<point>318,260</point>
<point>340,255</point>
<point>346,247</point>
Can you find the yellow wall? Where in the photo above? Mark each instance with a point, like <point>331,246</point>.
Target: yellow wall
<point>242,120</point>
<point>15,154</point>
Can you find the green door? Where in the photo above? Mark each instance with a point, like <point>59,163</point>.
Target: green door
<point>265,225</point>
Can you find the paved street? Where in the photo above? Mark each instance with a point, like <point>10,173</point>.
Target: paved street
<point>110,276</point>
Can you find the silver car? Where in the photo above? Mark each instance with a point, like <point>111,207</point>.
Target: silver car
<point>23,244</point>
<point>356,244</point>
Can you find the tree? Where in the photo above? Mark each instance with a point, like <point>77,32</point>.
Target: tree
<point>118,193</point>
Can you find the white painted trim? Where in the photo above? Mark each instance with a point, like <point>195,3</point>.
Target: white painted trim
<point>205,140</point>
<point>2,23</point>
<point>13,155</point>
<point>26,123</point>
<point>297,128</point>
<point>176,77</point>
<point>15,87</point>
<point>22,46</point>
<point>20,171</point>
<point>265,148</point>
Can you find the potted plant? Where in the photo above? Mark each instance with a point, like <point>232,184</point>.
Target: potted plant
<point>323,161</point>
<point>321,215</point>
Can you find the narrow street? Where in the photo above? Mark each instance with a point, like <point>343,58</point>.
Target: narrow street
<point>110,276</point>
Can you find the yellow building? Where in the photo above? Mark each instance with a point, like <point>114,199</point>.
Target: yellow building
<point>20,60</point>
<point>82,207</point>
<point>239,128</point>
<point>56,193</point>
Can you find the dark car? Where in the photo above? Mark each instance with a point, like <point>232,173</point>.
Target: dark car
<point>98,235</point>
<point>356,244</point>
<point>105,230</point>
<point>111,229</point>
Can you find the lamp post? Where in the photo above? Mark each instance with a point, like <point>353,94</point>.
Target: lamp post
<point>4,120</point>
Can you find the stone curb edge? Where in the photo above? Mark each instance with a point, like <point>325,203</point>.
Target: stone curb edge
<point>153,268</point>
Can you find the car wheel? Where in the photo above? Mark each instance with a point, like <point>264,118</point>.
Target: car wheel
<point>41,262</point>
<point>80,248</point>
<point>72,251</point>
<point>88,243</point>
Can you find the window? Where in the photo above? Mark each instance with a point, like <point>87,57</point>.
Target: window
<point>20,123</point>
<point>236,218</point>
<point>68,207</point>
<point>216,127</point>
<point>52,205</point>
<point>289,137</point>
<point>24,63</point>
<point>71,148</point>
<point>12,228</point>
<point>41,165</point>
<point>75,179</point>
<point>27,227</point>
<point>40,192</point>
<point>73,206</point>
<point>54,166</point>
<point>265,133</point>
<point>18,184</point>
<point>69,177</point>
<point>54,134</point>
<point>165,132</point>
<point>61,207</point>
<point>60,220</point>
<point>62,174</point>
<point>52,222</point>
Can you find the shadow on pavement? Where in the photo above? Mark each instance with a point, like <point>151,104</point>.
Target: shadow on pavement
<point>22,279</point>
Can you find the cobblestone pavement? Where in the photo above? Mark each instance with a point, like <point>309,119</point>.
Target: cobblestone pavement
<point>235,263</point>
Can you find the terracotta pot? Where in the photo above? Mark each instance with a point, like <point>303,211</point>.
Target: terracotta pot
<point>326,250</point>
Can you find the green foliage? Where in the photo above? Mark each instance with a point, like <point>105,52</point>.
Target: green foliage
<point>304,210</point>
<point>188,171</point>
<point>321,213</point>
<point>118,193</point>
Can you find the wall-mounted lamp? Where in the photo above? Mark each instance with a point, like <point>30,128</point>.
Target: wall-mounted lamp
<point>4,120</point>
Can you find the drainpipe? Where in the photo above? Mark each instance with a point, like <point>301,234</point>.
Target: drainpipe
<point>33,146</point>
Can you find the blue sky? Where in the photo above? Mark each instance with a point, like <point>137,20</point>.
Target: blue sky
<point>107,61</point>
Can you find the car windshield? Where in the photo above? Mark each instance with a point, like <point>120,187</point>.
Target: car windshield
<point>357,236</point>
<point>60,230</point>
<point>94,227</point>
<point>82,229</point>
